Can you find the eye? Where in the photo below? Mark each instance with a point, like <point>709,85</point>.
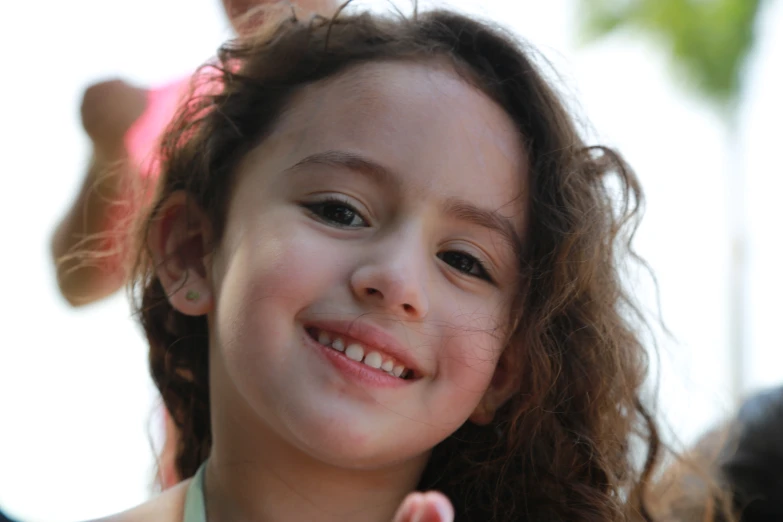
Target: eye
<point>465,263</point>
<point>337,212</point>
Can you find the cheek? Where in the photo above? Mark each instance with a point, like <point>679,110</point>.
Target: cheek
<point>467,359</point>
<point>284,264</point>
<point>263,278</point>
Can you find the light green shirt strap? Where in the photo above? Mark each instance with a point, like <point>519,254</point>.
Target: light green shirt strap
<point>195,509</point>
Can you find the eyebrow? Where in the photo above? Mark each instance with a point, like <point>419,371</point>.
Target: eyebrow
<point>457,208</point>
<point>351,161</point>
<point>489,219</point>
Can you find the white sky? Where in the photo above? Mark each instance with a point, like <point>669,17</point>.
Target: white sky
<point>75,399</point>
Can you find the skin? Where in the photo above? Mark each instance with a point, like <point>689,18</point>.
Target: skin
<point>293,437</point>
<point>108,110</point>
<point>235,9</point>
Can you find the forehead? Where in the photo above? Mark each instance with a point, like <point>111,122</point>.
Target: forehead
<point>442,137</point>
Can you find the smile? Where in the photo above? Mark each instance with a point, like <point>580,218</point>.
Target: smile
<point>357,352</point>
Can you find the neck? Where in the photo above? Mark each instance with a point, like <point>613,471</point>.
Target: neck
<point>279,482</point>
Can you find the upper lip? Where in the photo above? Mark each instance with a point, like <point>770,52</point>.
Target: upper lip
<point>372,338</point>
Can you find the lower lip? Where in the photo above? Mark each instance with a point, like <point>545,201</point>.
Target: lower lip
<point>354,370</point>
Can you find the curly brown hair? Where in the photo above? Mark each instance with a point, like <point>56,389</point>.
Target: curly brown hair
<point>565,446</point>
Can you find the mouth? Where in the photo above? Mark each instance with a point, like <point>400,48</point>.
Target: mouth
<point>358,352</point>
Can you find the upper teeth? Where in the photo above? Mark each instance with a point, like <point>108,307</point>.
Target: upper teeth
<point>356,352</point>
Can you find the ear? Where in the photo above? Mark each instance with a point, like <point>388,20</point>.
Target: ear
<point>179,241</point>
<point>501,388</point>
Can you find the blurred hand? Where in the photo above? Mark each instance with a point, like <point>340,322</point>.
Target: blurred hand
<point>108,110</point>
<point>425,507</point>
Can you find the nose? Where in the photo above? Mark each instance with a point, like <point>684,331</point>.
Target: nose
<point>394,284</point>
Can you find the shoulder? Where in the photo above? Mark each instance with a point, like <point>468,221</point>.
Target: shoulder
<point>166,507</point>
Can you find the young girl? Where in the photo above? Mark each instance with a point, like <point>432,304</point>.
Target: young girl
<point>383,262</point>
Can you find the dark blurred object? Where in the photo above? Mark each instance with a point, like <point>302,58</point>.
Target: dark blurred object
<point>734,472</point>
<point>752,460</point>
<point>4,518</point>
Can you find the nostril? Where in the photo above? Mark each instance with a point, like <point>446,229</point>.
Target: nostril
<point>408,308</point>
<point>372,291</point>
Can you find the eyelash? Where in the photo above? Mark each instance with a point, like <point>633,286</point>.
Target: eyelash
<point>482,270</point>
<point>317,209</point>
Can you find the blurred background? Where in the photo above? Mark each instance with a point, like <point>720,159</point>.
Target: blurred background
<point>691,93</point>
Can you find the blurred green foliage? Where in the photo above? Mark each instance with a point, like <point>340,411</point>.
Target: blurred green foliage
<point>707,40</point>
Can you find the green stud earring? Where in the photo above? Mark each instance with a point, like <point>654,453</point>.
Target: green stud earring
<point>192,295</point>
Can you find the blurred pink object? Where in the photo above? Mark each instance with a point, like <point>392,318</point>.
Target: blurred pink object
<point>143,137</point>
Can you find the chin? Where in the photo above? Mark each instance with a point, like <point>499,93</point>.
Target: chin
<point>359,449</point>
<point>365,460</point>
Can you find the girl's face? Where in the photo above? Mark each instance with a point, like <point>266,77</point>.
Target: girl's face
<point>362,285</point>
